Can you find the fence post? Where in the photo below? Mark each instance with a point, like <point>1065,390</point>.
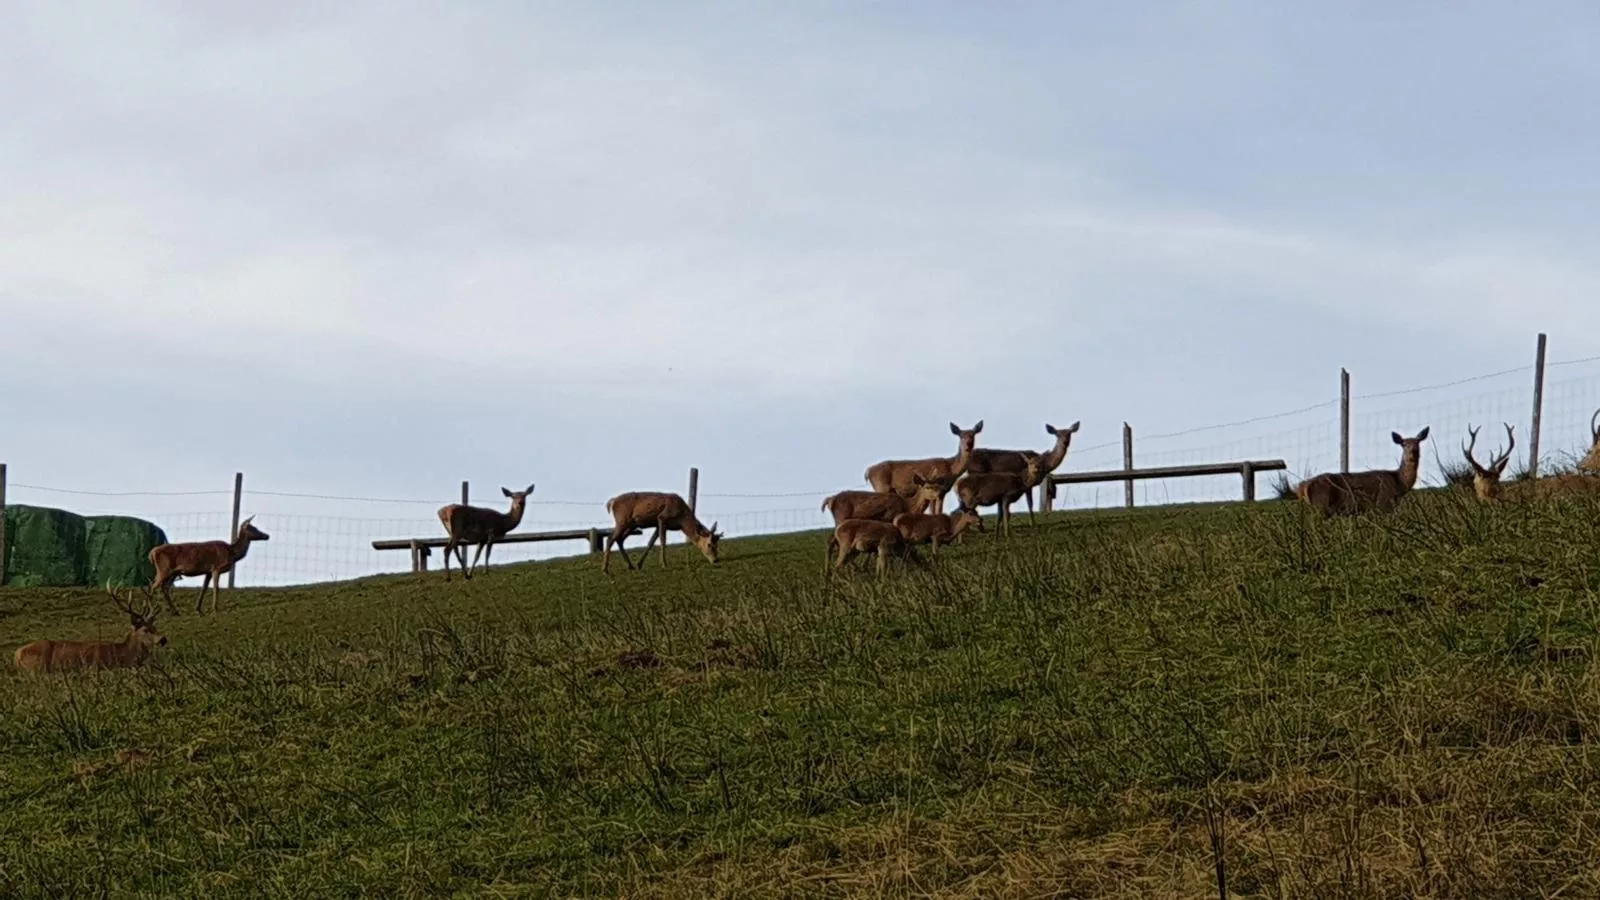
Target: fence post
<point>1127,463</point>
<point>1344,419</point>
<point>694,488</point>
<point>1249,473</point>
<point>233,533</point>
<point>1047,495</point>
<point>463,493</point>
<point>1538,408</point>
<point>594,540</point>
<point>2,524</point>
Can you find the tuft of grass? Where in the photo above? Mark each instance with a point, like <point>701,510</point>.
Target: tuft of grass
<point>1283,488</point>
<point>1128,703</point>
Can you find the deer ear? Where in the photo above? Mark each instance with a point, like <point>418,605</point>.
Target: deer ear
<point>955,429</point>
<point>1050,429</point>
<point>1073,428</point>
<point>506,491</point>
<point>978,427</point>
<point>529,490</point>
<point>1423,434</point>
<point>1397,438</point>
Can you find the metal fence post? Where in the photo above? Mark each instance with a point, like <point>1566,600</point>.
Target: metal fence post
<point>1538,408</point>
<point>1344,420</point>
<point>1127,463</point>
<point>233,532</point>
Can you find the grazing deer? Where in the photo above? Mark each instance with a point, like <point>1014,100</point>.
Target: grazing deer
<point>854,536</point>
<point>1381,490</point>
<point>479,525</point>
<point>212,559</point>
<point>47,656</point>
<point>936,528</point>
<point>636,511</point>
<point>1591,461</point>
<point>1487,485</point>
<point>884,507</point>
<point>1001,489</point>
<point>896,475</point>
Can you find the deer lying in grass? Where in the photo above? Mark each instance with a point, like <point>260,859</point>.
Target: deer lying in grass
<point>934,529</point>
<point>212,559</point>
<point>636,511</point>
<point>897,475</point>
<point>855,536</point>
<point>1379,490</point>
<point>1001,489</point>
<point>47,656</point>
<point>1486,483</point>
<point>479,525</point>
<point>884,507</point>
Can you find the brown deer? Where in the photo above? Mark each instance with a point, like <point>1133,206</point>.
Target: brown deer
<point>47,656</point>
<point>1001,489</point>
<point>212,559</point>
<point>884,507</point>
<point>1487,484</point>
<point>1380,490</point>
<point>896,475</point>
<point>638,510</point>
<point>985,459</point>
<point>935,529</point>
<point>1591,461</point>
<point>479,525</point>
<point>855,536</point>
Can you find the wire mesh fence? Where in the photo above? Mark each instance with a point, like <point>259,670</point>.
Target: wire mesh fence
<point>318,537</point>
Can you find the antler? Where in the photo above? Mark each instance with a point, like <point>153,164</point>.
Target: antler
<point>1594,427</point>
<point>148,613</point>
<point>117,600</point>
<point>1503,458</point>
<point>1466,449</point>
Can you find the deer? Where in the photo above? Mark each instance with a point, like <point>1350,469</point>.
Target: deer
<point>935,529</point>
<point>49,656</point>
<point>884,507</point>
<point>855,536</point>
<point>479,525</point>
<point>1486,483</point>
<point>1001,489</point>
<point>209,558</point>
<point>1380,490</point>
<point>635,511</point>
<point>895,475</point>
<point>1591,461</point>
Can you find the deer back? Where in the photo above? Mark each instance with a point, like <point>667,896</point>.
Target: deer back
<point>474,523</point>
<point>194,558</point>
<point>987,490</point>
<point>638,509</point>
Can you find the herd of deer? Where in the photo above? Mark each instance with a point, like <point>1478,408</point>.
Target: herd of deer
<point>890,520</point>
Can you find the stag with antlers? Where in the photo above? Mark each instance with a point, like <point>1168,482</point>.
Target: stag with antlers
<point>481,526</point>
<point>212,559</point>
<point>1591,460</point>
<point>1487,484</point>
<point>49,656</point>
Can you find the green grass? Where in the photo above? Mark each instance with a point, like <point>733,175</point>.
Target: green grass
<point>1115,704</point>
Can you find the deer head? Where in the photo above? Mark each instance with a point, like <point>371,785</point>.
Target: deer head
<point>968,436</point>
<point>1410,455</point>
<point>707,541</point>
<point>143,622</point>
<point>517,497</point>
<point>249,532</point>
<point>1486,479</point>
<point>930,492</point>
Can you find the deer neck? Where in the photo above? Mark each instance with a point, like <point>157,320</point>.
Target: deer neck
<point>962,524</point>
<point>131,650</point>
<point>1054,459</point>
<point>958,463</point>
<point>513,516</point>
<point>240,546</point>
<point>1409,464</point>
<point>692,528</point>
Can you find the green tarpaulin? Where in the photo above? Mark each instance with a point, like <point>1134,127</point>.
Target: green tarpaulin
<point>45,547</point>
<point>119,550</point>
<point>54,548</point>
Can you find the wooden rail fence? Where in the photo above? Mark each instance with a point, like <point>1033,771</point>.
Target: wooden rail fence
<point>422,548</point>
<point>1246,470</point>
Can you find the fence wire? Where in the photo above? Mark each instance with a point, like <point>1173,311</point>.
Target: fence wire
<point>326,537</point>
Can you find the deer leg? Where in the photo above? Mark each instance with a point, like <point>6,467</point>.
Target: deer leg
<point>620,536</point>
<point>648,546</point>
<point>449,547</point>
<point>476,555</point>
<point>163,581</point>
<point>216,589</point>
<point>661,529</point>
<point>883,558</point>
<point>1029,497</point>
<point>200,605</point>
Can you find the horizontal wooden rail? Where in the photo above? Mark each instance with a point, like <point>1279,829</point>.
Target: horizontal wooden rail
<point>422,548</point>
<point>1246,470</point>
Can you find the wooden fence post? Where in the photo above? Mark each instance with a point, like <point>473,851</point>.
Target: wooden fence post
<point>1344,420</point>
<point>1538,408</point>
<point>1127,463</point>
<point>1249,473</point>
<point>2,524</point>
<point>463,493</point>
<point>233,533</point>
<point>594,540</point>
<point>694,489</point>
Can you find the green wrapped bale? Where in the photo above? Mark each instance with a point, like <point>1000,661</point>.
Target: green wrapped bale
<point>119,549</point>
<point>45,547</point>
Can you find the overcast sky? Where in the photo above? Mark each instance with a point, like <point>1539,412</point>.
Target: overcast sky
<point>381,247</point>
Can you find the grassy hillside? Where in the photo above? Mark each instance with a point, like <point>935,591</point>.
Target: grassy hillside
<point>1109,705</point>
